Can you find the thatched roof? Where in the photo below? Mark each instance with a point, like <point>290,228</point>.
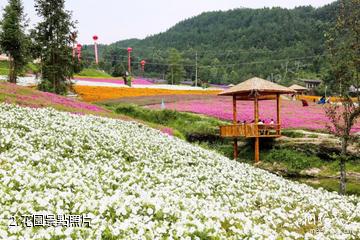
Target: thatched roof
<point>256,85</point>
<point>298,87</point>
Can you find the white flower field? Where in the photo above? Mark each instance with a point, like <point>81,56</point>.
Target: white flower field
<point>135,182</point>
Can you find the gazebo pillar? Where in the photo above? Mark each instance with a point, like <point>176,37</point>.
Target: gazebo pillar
<point>278,120</point>
<point>235,122</point>
<point>257,141</point>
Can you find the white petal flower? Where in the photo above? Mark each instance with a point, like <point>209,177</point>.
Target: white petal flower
<point>135,182</point>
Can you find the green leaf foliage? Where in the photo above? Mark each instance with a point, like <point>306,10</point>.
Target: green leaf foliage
<point>53,37</point>
<point>13,40</point>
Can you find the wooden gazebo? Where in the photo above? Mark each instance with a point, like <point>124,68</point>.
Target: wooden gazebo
<point>254,89</point>
<point>300,90</point>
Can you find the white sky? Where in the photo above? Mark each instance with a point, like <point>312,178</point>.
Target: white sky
<point>114,20</point>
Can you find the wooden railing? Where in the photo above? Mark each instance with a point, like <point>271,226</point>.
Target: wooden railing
<point>232,130</point>
<point>251,130</point>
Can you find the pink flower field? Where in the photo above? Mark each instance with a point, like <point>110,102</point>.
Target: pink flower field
<point>293,114</point>
<point>139,81</point>
<point>11,93</point>
<point>28,97</point>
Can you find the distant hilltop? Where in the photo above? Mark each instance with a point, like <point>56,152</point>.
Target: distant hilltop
<point>274,43</point>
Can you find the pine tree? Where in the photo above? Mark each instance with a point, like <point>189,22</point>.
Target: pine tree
<point>53,36</point>
<point>13,38</point>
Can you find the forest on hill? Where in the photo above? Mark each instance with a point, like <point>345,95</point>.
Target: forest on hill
<point>283,45</point>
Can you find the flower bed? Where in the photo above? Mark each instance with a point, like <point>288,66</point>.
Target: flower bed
<point>25,96</point>
<point>293,114</point>
<point>134,182</point>
<point>113,80</point>
<point>95,94</point>
<point>12,93</point>
<point>157,99</point>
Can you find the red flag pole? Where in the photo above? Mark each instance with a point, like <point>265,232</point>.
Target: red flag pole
<point>95,38</point>
<point>129,59</point>
<point>78,47</point>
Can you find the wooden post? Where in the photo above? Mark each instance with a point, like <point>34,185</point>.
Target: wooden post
<point>257,150</point>
<point>257,142</point>
<point>235,149</point>
<point>278,120</point>
<point>234,110</point>
<point>235,122</point>
<point>256,110</point>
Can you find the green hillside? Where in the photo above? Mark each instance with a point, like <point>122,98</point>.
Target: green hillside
<point>274,43</point>
<point>90,72</point>
<point>30,68</point>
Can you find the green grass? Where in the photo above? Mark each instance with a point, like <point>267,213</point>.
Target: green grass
<point>313,136</point>
<point>193,127</point>
<point>292,134</point>
<point>352,165</point>
<point>331,184</point>
<point>294,161</point>
<point>29,68</point>
<point>32,67</point>
<point>90,72</point>
<point>4,67</point>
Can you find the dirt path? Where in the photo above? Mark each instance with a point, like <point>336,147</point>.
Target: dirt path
<point>319,139</point>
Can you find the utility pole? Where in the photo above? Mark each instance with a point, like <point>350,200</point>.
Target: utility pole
<point>95,38</point>
<point>172,75</point>
<point>325,91</point>
<point>196,69</point>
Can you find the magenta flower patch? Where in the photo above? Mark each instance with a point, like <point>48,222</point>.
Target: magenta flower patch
<point>293,114</point>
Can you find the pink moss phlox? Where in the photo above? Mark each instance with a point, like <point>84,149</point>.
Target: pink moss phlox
<point>56,99</point>
<point>167,131</point>
<point>293,114</point>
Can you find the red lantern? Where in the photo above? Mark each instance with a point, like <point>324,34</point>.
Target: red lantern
<point>95,38</point>
<point>78,48</point>
<point>143,62</point>
<point>129,50</point>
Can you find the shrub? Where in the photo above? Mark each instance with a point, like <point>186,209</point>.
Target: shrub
<point>313,136</point>
<point>89,72</point>
<point>292,134</point>
<point>294,160</point>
